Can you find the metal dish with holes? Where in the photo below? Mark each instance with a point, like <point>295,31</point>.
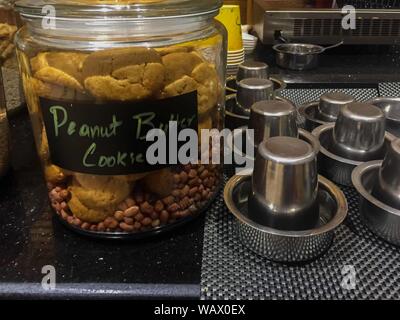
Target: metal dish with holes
<point>287,246</point>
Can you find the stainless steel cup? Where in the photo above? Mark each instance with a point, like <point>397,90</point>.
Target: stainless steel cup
<point>387,188</point>
<point>252,90</point>
<point>330,104</point>
<point>285,185</point>
<point>359,132</point>
<point>252,69</point>
<point>273,118</point>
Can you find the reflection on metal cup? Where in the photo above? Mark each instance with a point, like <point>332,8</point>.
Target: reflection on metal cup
<point>252,90</point>
<point>330,104</point>
<point>285,185</point>
<point>252,69</point>
<point>273,118</point>
<point>387,188</point>
<point>359,132</point>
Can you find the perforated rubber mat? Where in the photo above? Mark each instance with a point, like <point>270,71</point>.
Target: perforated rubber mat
<point>301,96</point>
<point>389,89</point>
<point>357,266</point>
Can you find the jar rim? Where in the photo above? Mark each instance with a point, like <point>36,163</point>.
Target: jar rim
<point>114,9</point>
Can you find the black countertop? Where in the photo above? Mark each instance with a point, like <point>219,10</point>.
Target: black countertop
<point>30,238</point>
<point>345,64</point>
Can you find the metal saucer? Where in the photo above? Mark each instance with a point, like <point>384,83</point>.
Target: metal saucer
<point>310,112</point>
<point>325,110</point>
<point>334,167</point>
<point>234,116</point>
<point>231,85</point>
<point>391,107</point>
<point>380,218</point>
<point>287,246</point>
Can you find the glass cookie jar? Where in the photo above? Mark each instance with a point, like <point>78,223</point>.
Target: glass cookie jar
<point>98,77</point>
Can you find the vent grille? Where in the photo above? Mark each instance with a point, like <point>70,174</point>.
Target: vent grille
<point>333,27</point>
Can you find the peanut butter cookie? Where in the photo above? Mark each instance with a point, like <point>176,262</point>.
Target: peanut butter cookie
<point>207,77</point>
<point>60,68</point>
<point>181,86</point>
<point>109,88</point>
<point>150,75</point>
<point>179,64</point>
<point>86,214</point>
<point>90,181</point>
<point>69,62</point>
<point>105,62</point>
<point>54,174</point>
<point>58,77</point>
<point>174,49</point>
<point>53,91</point>
<point>160,182</point>
<point>39,61</point>
<point>101,198</point>
<point>98,192</point>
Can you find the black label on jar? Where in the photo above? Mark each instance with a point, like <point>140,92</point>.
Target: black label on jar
<point>110,138</point>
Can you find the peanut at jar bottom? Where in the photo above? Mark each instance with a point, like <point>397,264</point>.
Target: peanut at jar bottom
<point>143,210</point>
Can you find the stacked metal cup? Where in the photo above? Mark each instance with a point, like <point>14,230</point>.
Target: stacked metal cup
<point>252,69</point>
<point>359,132</point>
<point>284,164</point>
<point>378,183</point>
<point>330,104</point>
<point>387,188</point>
<point>273,118</point>
<point>252,90</point>
<point>324,111</point>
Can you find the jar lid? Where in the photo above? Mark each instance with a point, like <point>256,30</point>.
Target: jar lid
<point>118,9</point>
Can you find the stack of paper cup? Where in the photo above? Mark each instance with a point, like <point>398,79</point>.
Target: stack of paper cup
<point>249,43</point>
<point>230,16</point>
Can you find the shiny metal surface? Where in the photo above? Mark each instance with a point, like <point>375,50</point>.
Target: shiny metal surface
<point>324,111</point>
<point>273,118</point>
<point>359,132</point>
<point>252,90</point>
<point>297,56</point>
<point>391,107</point>
<point>287,246</point>
<point>387,188</point>
<point>312,116</point>
<point>235,117</point>
<point>252,69</point>
<point>305,25</point>
<point>330,104</point>
<point>379,217</point>
<point>333,166</point>
<point>284,164</point>
<point>240,135</point>
<point>279,85</point>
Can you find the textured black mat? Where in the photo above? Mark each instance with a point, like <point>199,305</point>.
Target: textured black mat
<point>389,89</point>
<point>231,271</point>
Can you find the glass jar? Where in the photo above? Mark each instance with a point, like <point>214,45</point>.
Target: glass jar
<point>14,96</point>
<point>97,79</point>
<point>4,133</point>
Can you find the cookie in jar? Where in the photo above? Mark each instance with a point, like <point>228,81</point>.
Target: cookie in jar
<point>98,108</point>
